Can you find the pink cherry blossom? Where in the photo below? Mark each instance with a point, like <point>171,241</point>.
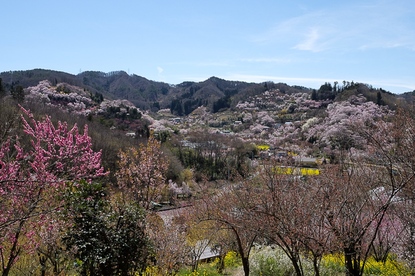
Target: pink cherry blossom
<point>32,174</point>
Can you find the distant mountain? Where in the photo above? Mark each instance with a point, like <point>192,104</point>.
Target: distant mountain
<point>114,85</point>
<point>214,93</point>
<point>182,99</point>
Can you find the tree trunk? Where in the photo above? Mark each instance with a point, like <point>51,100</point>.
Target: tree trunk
<point>351,262</point>
<point>295,261</point>
<point>245,265</point>
<point>14,251</point>
<point>42,262</point>
<point>316,267</point>
<point>297,268</point>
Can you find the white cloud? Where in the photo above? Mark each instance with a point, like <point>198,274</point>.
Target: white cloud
<point>266,60</point>
<point>348,25</point>
<point>394,85</point>
<point>159,69</point>
<point>311,41</point>
<point>218,63</point>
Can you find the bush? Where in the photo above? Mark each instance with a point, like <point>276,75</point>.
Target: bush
<point>232,259</point>
<point>263,147</point>
<point>203,270</point>
<point>333,264</point>
<point>391,267</point>
<point>268,261</point>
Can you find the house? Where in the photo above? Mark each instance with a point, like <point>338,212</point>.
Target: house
<point>205,252</point>
<point>176,120</point>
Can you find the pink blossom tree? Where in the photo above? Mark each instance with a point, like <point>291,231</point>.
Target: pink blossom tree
<point>141,173</point>
<point>367,199</point>
<point>31,176</point>
<point>337,131</point>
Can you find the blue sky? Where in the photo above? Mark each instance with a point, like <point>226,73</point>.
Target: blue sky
<point>302,43</point>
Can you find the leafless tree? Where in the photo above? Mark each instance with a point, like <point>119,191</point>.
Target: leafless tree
<point>231,209</point>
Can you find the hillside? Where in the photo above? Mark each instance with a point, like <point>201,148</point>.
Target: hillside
<point>183,98</point>
<point>214,93</point>
<point>265,112</point>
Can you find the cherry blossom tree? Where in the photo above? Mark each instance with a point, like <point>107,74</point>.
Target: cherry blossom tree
<point>231,210</point>
<point>353,212</point>
<point>141,174</point>
<point>336,130</point>
<point>389,235</point>
<point>363,197</point>
<point>31,175</point>
<point>288,215</point>
<point>169,242</point>
<point>392,147</point>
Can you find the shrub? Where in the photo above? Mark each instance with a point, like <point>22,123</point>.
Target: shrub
<point>268,261</point>
<point>232,259</point>
<point>391,267</point>
<point>204,270</point>
<point>263,147</point>
<point>333,264</point>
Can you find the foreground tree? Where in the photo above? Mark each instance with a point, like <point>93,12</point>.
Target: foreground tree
<point>354,210</point>
<point>30,175</point>
<point>168,239</point>
<point>395,153</point>
<point>231,210</point>
<point>141,173</point>
<point>348,207</point>
<point>290,217</point>
<point>106,237</point>
<point>362,197</point>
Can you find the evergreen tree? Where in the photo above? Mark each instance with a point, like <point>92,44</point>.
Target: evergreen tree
<point>314,95</point>
<point>176,107</point>
<point>109,239</point>
<point>379,99</point>
<point>18,93</point>
<point>2,89</point>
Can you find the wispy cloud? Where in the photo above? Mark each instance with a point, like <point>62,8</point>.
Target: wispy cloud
<point>266,60</point>
<point>349,25</point>
<point>217,63</point>
<point>311,41</point>
<point>393,84</point>
<point>159,69</point>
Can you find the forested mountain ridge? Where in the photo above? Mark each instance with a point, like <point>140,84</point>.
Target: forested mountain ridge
<point>145,94</point>
<point>214,93</point>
